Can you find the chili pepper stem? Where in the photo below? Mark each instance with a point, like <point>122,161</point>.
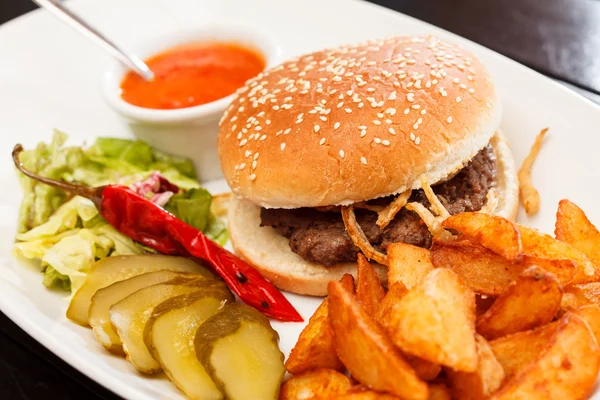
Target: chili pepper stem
<point>94,194</point>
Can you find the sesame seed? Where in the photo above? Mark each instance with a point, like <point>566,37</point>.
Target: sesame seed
<point>380,104</point>
<point>388,121</point>
<point>462,86</point>
<point>412,136</point>
<point>392,131</point>
<point>409,84</point>
<point>371,90</point>
<point>252,177</point>
<point>299,121</point>
<point>385,142</point>
<point>268,122</point>
<point>406,111</point>
<point>458,99</point>
<point>391,111</point>
<point>239,136</point>
<point>322,141</point>
<point>416,126</point>
<point>247,153</point>
<point>362,127</point>
<point>282,146</point>
<point>377,122</point>
<point>379,115</point>
<point>275,108</point>
<point>470,77</point>
<point>342,153</point>
<point>449,120</point>
<point>288,130</point>
<point>336,125</point>
<point>363,160</point>
<point>361,104</point>
<point>455,80</point>
<point>254,164</point>
<point>348,110</point>
<point>263,137</point>
<point>243,142</point>
<point>423,112</point>
<point>242,166</point>
<point>418,141</point>
<point>416,106</point>
<point>377,140</point>
<point>323,118</point>
<point>471,90</point>
<point>363,133</point>
<point>317,128</point>
<point>392,96</point>
<point>340,104</point>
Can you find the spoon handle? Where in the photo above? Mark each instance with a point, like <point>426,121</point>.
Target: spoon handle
<point>60,11</point>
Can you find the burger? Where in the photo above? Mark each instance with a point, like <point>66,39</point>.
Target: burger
<point>350,149</point>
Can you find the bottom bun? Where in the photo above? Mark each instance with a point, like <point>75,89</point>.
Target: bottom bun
<point>269,252</point>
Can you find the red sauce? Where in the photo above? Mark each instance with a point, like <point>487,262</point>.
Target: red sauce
<point>192,75</point>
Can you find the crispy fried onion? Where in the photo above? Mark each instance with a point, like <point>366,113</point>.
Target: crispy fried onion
<point>220,204</point>
<point>528,194</point>
<point>386,215</point>
<point>433,224</point>
<point>491,202</point>
<point>358,236</point>
<point>436,205</point>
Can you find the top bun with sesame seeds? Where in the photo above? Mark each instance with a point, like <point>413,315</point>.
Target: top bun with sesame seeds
<point>357,122</point>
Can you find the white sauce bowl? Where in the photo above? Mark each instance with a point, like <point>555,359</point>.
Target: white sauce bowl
<point>188,132</point>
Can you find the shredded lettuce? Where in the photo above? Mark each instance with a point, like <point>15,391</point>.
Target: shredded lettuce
<point>70,241</point>
<point>68,234</point>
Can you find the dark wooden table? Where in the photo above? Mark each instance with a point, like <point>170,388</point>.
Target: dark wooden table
<point>559,38</point>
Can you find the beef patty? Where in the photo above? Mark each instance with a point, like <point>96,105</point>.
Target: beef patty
<point>319,236</point>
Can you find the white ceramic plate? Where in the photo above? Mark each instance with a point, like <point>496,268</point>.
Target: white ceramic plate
<point>50,78</point>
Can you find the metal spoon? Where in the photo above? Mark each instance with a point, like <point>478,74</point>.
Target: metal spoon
<point>74,21</point>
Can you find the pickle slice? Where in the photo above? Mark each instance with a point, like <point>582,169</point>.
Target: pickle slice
<point>113,269</point>
<point>129,317</point>
<point>106,297</point>
<point>238,348</point>
<point>170,332</point>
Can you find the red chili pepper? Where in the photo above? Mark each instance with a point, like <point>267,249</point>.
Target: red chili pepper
<point>146,222</point>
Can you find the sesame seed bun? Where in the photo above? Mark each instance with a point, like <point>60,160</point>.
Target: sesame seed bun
<point>357,123</point>
<point>269,252</point>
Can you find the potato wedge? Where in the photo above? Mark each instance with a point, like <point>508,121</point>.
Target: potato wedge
<point>107,296</point>
<point>436,321</point>
<point>484,381</point>
<point>492,232</point>
<point>169,335</point>
<point>393,296</point>
<point>360,392</point>
<point>320,383</point>
<point>484,271</point>
<point>531,301</point>
<point>439,391</point>
<point>315,347</point>
<point>566,369</point>
<point>591,291</point>
<point>369,291</point>
<point>239,350</point>
<point>113,269</point>
<point>591,315</point>
<point>573,227</point>
<point>426,370</point>
<point>567,263</point>
<point>129,317</point>
<point>366,351</point>
<point>572,299</point>
<point>515,352</point>
<point>407,264</point>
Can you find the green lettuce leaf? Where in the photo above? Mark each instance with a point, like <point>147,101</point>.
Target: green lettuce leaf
<point>192,207</point>
<point>53,279</point>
